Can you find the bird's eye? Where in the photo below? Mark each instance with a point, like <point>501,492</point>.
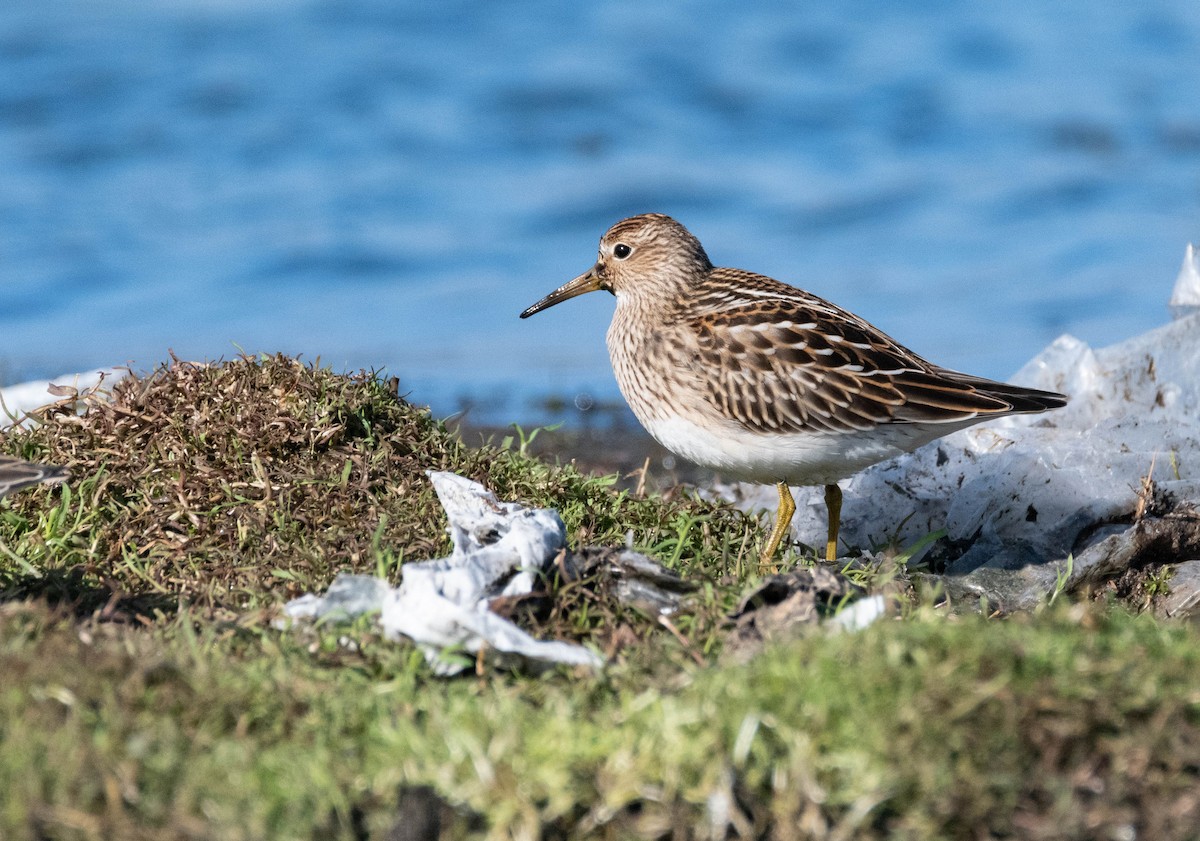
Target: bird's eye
<point>621,251</point>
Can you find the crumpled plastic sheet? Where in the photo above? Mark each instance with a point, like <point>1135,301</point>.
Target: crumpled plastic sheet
<point>785,605</point>
<point>500,550</point>
<point>1031,487</point>
<point>636,580</point>
<point>17,400</point>
<point>1185,297</point>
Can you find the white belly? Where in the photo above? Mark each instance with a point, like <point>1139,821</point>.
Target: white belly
<point>796,459</point>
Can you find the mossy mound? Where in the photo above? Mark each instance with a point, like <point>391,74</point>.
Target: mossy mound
<point>227,486</point>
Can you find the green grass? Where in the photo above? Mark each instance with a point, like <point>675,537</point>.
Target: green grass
<point>923,728</point>
<point>145,694</point>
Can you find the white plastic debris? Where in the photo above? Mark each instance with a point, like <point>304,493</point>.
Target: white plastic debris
<point>17,400</point>
<point>348,596</point>
<point>500,549</point>
<point>1030,487</point>
<point>860,614</point>
<point>1185,298</point>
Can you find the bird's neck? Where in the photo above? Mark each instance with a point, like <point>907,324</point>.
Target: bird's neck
<point>656,299</point>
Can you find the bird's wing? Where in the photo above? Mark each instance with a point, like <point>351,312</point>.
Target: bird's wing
<point>16,474</point>
<point>777,359</point>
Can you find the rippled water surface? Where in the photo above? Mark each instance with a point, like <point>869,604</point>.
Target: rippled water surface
<point>386,185</point>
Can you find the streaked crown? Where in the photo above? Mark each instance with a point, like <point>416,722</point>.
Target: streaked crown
<point>650,250</point>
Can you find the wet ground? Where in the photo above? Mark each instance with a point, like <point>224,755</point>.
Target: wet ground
<point>626,450</point>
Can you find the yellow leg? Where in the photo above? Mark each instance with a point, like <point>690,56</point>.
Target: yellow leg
<point>783,519</point>
<point>833,501</point>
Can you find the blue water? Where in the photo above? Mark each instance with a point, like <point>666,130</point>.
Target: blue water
<point>386,185</point>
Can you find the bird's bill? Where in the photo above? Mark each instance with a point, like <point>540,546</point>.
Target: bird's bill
<point>589,281</point>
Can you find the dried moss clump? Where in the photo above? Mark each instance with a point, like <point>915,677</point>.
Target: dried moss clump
<point>219,483</point>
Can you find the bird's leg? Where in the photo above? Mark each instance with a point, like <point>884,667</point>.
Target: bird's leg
<point>783,519</point>
<point>833,501</point>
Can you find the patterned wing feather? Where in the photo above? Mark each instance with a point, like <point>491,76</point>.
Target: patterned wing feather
<point>778,359</point>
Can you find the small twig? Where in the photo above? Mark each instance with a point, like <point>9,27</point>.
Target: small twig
<point>684,641</point>
<point>640,490</point>
<point>1146,493</point>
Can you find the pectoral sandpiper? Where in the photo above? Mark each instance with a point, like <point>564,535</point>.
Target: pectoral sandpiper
<point>16,474</point>
<point>766,382</point>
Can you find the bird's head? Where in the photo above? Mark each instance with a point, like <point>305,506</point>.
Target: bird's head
<point>650,254</point>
